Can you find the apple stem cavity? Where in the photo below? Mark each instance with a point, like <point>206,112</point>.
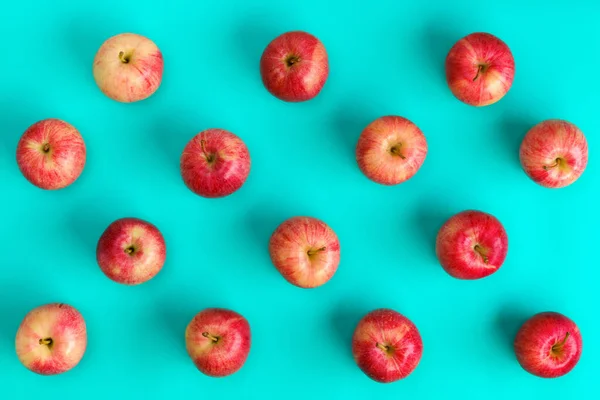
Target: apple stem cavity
<point>124,58</point>
<point>556,164</point>
<point>313,252</point>
<point>383,347</point>
<point>209,157</point>
<point>479,251</point>
<point>211,337</point>
<point>480,70</point>
<point>291,60</point>
<point>558,346</point>
<point>395,150</point>
<point>47,341</point>
<point>46,148</point>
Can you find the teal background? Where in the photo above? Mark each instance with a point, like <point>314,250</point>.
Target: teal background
<point>386,57</point>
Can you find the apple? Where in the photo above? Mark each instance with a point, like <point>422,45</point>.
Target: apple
<point>386,345</point>
<point>305,251</point>
<point>51,154</point>
<point>215,163</point>
<point>471,245</point>
<point>480,69</point>
<point>554,153</point>
<point>51,339</point>
<point>294,66</point>
<point>548,345</point>
<point>128,67</point>
<point>218,341</point>
<point>391,150</point>
<point>131,251</point>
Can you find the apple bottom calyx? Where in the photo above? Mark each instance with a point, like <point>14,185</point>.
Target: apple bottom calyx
<point>211,337</point>
<point>291,60</point>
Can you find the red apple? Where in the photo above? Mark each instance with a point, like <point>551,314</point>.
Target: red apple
<point>391,150</point>
<point>471,245</point>
<point>480,69</point>
<point>294,66</point>
<point>554,153</point>
<point>305,251</point>
<point>548,345</point>
<point>51,154</point>
<point>215,163</point>
<point>218,341</point>
<point>128,67</point>
<point>51,339</point>
<point>386,345</point>
<point>131,251</point>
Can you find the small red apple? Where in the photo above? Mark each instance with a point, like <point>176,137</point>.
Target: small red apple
<point>128,67</point>
<point>305,251</point>
<point>51,339</point>
<point>386,346</point>
<point>471,245</point>
<point>480,69</point>
<point>548,345</point>
<point>218,341</point>
<point>554,153</point>
<point>294,66</point>
<point>131,251</point>
<point>391,150</point>
<point>215,163</point>
<point>51,154</point>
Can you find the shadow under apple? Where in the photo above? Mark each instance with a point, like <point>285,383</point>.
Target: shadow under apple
<point>344,319</point>
<point>513,128</point>
<point>428,219</point>
<point>348,122</point>
<point>507,324</point>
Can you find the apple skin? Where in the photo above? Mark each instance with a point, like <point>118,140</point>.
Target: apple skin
<point>480,69</point>
<point>548,345</point>
<point>62,328</point>
<point>131,251</point>
<point>305,251</point>
<point>215,163</point>
<point>471,245</point>
<point>386,345</point>
<point>218,341</point>
<point>51,154</point>
<point>294,66</point>
<point>554,153</point>
<point>391,150</point>
<point>128,67</point>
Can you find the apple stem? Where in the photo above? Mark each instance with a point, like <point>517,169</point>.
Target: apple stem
<point>46,341</point>
<point>556,164</point>
<point>124,59</point>
<point>313,252</point>
<point>480,69</point>
<point>559,346</point>
<point>209,157</point>
<point>382,346</point>
<point>395,150</point>
<point>477,248</point>
<point>211,337</point>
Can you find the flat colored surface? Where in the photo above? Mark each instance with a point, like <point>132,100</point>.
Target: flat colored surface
<point>385,58</point>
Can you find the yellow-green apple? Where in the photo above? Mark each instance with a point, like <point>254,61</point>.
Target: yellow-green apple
<point>548,345</point>
<point>471,245</point>
<point>294,66</point>
<point>51,339</point>
<point>554,153</point>
<point>215,163</point>
<point>480,69</point>
<point>386,345</point>
<point>305,251</point>
<point>128,67</point>
<point>131,251</point>
<point>391,150</point>
<point>218,341</point>
<point>51,154</point>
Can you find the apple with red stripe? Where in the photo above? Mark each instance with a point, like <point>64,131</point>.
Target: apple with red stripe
<point>306,251</point>
<point>554,153</point>
<point>131,251</point>
<point>51,339</point>
<point>386,346</point>
<point>218,341</point>
<point>128,67</point>
<point>471,245</point>
<point>294,66</point>
<point>391,150</point>
<point>51,154</point>
<point>480,69</point>
<point>548,345</point>
<point>215,163</point>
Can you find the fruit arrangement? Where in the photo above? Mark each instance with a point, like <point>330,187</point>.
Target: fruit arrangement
<point>215,163</point>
